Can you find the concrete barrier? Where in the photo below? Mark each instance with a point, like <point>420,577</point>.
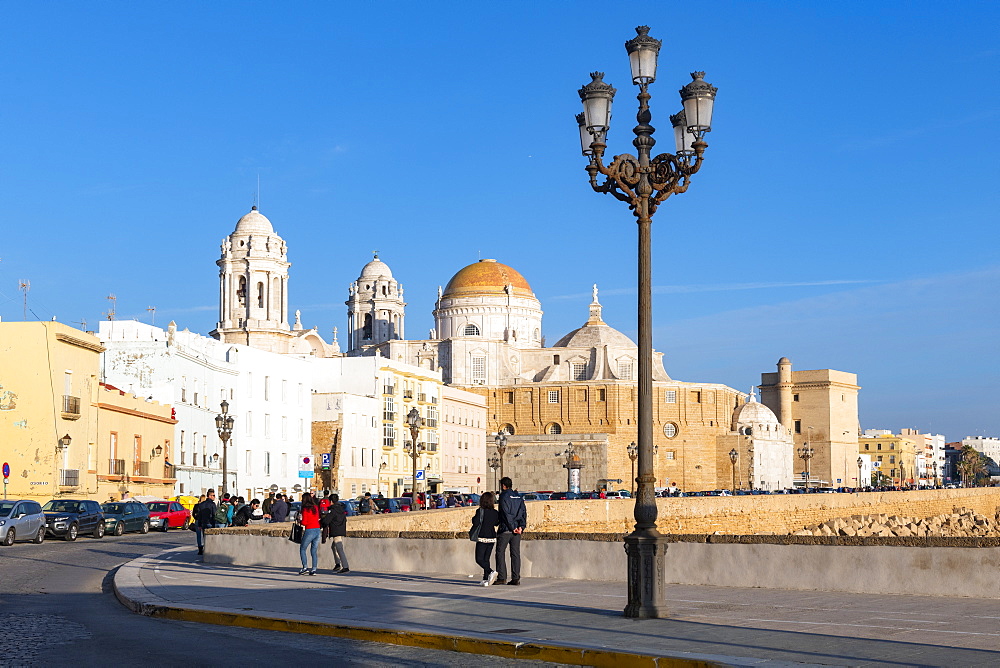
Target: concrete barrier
<point>937,567</point>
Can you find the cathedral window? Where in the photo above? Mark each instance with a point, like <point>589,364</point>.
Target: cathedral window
<point>260,295</point>
<point>602,394</point>
<point>696,396</point>
<point>625,369</point>
<point>798,426</point>
<point>508,397</point>
<point>553,396</point>
<point>670,430</point>
<point>241,293</point>
<point>366,332</point>
<point>670,396</point>
<point>538,334</point>
<point>478,368</point>
<point>670,454</point>
<point>579,370</point>
<point>470,330</point>
<point>554,428</point>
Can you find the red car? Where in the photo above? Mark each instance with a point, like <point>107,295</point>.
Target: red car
<point>165,515</point>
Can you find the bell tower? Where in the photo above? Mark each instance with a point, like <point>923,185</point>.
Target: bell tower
<point>253,286</point>
<point>376,311</point>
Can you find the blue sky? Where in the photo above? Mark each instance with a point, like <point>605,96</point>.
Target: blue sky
<point>846,215</point>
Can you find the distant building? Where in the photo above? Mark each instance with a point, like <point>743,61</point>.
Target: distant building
<point>894,457</point>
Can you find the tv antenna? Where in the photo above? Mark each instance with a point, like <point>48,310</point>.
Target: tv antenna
<point>114,302</point>
<point>24,285</point>
<point>152,311</point>
<point>82,323</point>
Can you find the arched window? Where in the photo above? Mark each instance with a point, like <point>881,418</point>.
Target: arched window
<point>470,330</point>
<point>260,295</point>
<point>538,334</point>
<point>508,429</point>
<point>554,428</point>
<point>241,293</point>
<point>366,332</point>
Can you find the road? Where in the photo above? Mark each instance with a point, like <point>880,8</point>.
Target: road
<point>57,608</point>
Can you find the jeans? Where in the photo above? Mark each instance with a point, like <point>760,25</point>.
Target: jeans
<point>339,554</point>
<point>200,533</point>
<point>483,553</point>
<point>514,540</point>
<point>310,540</point>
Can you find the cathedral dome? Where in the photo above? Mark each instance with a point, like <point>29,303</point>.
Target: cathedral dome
<point>254,223</point>
<point>754,413</point>
<point>594,335</point>
<point>376,269</point>
<point>487,277</point>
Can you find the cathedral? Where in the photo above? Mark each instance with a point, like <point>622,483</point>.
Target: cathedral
<point>488,338</point>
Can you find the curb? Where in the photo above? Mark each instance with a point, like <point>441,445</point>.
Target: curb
<point>130,591</point>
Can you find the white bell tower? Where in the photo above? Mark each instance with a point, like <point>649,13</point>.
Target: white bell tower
<point>375,308</point>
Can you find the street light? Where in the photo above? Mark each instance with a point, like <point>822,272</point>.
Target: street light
<point>805,453</point>
<point>494,463</point>
<point>734,457</point>
<point>633,454</point>
<point>413,421</point>
<point>501,442</point>
<point>643,183</point>
<point>935,473</point>
<point>224,424</point>
<point>65,441</point>
<point>861,463</point>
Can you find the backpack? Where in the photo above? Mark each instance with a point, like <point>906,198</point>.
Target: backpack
<point>222,514</point>
<point>365,506</point>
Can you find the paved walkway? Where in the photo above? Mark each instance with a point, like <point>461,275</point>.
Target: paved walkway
<point>712,625</point>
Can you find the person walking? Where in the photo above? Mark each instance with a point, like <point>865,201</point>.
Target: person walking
<point>309,519</point>
<point>279,509</point>
<point>335,526</point>
<point>242,516</point>
<point>367,505</point>
<point>266,506</point>
<point>486,519</point>
<point>513,521</point>
<point>204,518</point>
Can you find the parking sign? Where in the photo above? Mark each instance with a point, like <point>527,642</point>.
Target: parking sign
<point>325,460</point>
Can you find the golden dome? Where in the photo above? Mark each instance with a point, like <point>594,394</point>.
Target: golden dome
<point>487,277</point>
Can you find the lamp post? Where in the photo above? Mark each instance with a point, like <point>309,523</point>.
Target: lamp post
<point>734,457</point>
<point>633,454</point>
<point>494,463</point>
<point>806,453</point>
<point>643,183</point>
<point>413,421</point>
<point>501,442</point>
<point>224,424</point>
<point>861,463</point>
<point>935,473</point>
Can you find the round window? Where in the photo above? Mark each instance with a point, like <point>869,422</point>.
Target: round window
<point>670,430</point>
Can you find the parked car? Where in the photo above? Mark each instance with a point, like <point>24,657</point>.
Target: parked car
<point>122,516</point>
<point>394,505</point>
<point>620,494</point>
<point>68,518</point>
<point>535,496</point>
<point>166,515</point>
<point>563,496</point>
<point>21,520</point>
<point>351,506</point>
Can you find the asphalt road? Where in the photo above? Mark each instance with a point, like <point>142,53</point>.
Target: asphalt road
<point>57,608</point>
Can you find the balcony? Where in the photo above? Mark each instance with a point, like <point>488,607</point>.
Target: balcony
<point>407,394</point>
<point>389,389</point>
<point>388,442</point>
<point>70,407</point>
<point>141,469</point>
<point>434,400</point>
<point>389,415</point>
<point>422,397</point>
<point>69,477</point>
<point>431,422</point>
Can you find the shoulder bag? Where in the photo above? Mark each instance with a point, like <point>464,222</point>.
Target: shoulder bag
<point>296,535</point>
<point>477,524</point>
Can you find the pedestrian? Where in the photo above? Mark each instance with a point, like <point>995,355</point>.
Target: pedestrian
<point>486,521</point>
<point>513,521</point>
<point>245,513</point>
<point>335,526</point>
<point>441,501</point>
<point>324,503</point>
<point>603,494</point>
<point>266,506</point>
<point>223,512</point>
<point>309,519</point>
<point>205,518</point>
<point>279,509</point>
<point>367,505</point>
<point>452,501</point>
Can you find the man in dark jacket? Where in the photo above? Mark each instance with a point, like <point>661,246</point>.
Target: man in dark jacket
<point>243,515</point>
<point>334,525</point>
<point>205,518</point>
<point>279,509</point>
<point>513,521</point>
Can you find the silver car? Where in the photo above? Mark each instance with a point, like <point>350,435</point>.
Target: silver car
<point>21,520</point>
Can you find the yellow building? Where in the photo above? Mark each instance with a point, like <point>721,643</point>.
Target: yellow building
<point>56,422</point>
<point>894,457</point>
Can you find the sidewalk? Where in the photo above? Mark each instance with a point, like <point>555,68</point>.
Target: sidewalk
<point>572,621</point>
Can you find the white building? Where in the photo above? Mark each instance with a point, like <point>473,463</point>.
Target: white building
<point>267,394</point>
<point>769,445</point>
<point>356,446</point>
<point>988,445</point>
<point>463,441</point>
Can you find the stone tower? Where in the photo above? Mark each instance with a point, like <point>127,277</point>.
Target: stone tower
<point>375,308</point>
<point>253,286</point>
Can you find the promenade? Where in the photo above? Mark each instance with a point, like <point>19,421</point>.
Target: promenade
<point>572,621</point>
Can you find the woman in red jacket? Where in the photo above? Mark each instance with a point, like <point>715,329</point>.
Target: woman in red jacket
<point>309,519</point>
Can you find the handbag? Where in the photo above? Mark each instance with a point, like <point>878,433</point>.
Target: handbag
<point>477,523</point>
<point>296,535</point>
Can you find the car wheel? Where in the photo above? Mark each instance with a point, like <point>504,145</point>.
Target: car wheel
<point>119,528</point>
<point>187,523</point>
<point>72,533</point>
<point>145,527</point>
<point>40,537</point>
<point>166,525</point>
<point>8,540</point>
<point>99,530</point>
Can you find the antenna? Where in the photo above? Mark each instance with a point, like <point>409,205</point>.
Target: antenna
<point>258,190</point>
<point>152,311</point>
<point>24,285</point>
<point>82,323</point>
<point>114,301</point>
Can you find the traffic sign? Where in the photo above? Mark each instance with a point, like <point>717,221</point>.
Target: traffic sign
<point>420,474</point>
<point>6,470</point>
<point>325,457</point>
<point>306,466</point>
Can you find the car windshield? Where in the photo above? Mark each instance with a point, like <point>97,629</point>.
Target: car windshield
<point>161,507</point>
<point>6,507</point>
<point>114,507</point>
<point>62,507</point>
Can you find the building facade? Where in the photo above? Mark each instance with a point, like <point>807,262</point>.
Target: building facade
<point>463,441</point>
<point>894,457</point>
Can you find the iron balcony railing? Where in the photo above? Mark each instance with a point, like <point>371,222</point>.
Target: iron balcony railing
<point>389,389</point>
<point>71,404</point>
<point>69,477</point>
<point>389,415</point>
<point>116,467</point>
<point>407,394</point>
<point>422,397</point>
<point>141,469</point>
<point>388,442</point>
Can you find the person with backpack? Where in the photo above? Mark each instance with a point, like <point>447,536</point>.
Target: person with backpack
<point>366,506</point>
<point>222,512</point>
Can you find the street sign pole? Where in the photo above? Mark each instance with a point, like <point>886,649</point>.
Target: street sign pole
<point>6,474</point>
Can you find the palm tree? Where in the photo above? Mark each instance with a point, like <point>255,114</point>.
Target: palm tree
<point>971,466</point>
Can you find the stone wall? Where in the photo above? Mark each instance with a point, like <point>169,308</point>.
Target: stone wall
<point>738,515</point>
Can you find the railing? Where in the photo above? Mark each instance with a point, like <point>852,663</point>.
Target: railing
<point>389,389</point>
<point>388,442</point>
<point>389,415</point>
<point>422,397</point>
<point>71,405</point>
<point>116,467</point>
<point>168,471</point>
<point>69,477</point>
<point>431,422</point>
<point>407,394</point>
<point>141,469</point>
<point>434,400</point>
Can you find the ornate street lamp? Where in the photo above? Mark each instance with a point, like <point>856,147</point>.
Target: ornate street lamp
<point>633,454</point>
<point>805,453</point>
<point>414,422</point>
<point>224,425</point>
<point>643,182</point>
<point>935,473</point>
<point>494,463</point>
<point>501,442</point>
<point>861,462</point>
<point>734,457</point>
